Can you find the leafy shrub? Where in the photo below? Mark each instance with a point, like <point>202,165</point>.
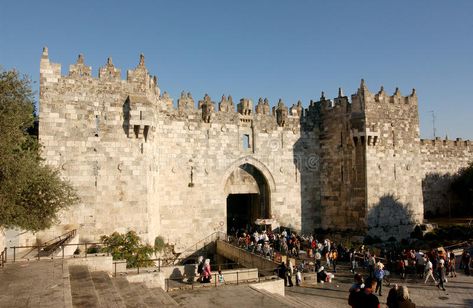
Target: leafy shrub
<point>129,247</point>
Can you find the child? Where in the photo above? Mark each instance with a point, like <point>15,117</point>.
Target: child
<point>220,277</point>
<point>298,277</point>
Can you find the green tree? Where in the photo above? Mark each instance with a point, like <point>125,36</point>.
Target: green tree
<point>128,246</point>
<point>462,186</point>
<point>31,193</point>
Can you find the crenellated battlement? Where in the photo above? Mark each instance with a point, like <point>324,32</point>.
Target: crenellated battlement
<point>137,79</point>
<point>439,142</point>
<point>139,82</point>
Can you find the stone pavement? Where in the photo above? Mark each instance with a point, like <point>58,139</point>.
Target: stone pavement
<point>48,284</point>
<point>459,292</point>
<point>35,284</point>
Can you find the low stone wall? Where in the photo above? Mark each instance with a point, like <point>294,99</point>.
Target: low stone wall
<point>272,286</point>
<point>152,280</point>
<point>95,263</point>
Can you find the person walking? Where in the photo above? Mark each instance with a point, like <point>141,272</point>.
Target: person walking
<point>429,271</point>
<point>333,259</point>
<point>441,274</point>
<point>379,275</point>
<point>452,264</point>
<point>371,265</point>
<point>352,260</point>
<point>282,272</point>
<point>289,273</point>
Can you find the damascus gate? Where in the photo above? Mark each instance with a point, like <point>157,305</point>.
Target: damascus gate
<point>187,168</point>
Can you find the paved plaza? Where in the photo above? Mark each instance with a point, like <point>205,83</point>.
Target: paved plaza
<point>49,284</point>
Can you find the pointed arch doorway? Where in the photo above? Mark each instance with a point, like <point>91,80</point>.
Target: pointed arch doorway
<point>248,197</point>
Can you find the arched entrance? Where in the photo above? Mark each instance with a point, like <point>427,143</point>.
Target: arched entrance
<point>248,197</point>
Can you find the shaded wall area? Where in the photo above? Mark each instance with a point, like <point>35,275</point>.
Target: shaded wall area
<point>441,159</point>
<point>390,217</point>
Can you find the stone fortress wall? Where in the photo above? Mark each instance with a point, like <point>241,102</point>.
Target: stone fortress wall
<point>141,163</point>
<point>441,159</point>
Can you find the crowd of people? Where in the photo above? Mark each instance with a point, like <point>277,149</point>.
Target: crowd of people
<point>362,295</point>
<point>320,255</point>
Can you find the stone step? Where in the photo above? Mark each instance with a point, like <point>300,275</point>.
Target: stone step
<point>128,294</point>
<point>82,287</point>
<point>107,294</point>
<point>297,301</point>
<point>166,299</point>
<point>285,300</point>
<point>139,295</point>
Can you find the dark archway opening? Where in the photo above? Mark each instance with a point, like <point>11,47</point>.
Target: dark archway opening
<point>248,198</point>
<point>241,211</point>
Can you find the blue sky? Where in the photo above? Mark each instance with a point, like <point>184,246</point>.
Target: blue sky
<point>277,49</point>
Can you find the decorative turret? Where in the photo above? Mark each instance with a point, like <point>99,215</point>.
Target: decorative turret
<point>80,69</point>
<point>259,106</point>
<point>207,107</point>
<point>141,79</point>
<point>281,113</point>
<point>185,102</point>
<point>49,72</point>
<point>226,105</point>
<point>245,107</point>
<point>166,99</point>
<point>363,87</point>
<point>109,71</point>
<point>397,92</point>
<point>266,108</point>
<point>296,110</point>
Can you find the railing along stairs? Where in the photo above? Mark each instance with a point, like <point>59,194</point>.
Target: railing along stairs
<point>53,245</point>
<point>180,257</point>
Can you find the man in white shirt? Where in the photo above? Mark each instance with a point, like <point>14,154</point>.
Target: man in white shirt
<point>429,271</point>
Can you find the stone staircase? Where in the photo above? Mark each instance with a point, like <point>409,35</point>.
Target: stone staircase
<point>98,289</point>
<point>287,301</point>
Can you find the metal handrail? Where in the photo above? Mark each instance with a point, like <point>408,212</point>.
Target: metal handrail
<point>39,247</point>
<point>215,283</point>
<point>71,233</point>
<point>160,265</point>
<point>193,247</point>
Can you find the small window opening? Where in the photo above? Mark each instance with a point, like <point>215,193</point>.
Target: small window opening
<point>141,115</point>
<point>246,142</point>
<point>145,132</point>
<point>97,123</point>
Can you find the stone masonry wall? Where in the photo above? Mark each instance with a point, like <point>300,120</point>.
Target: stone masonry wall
<point>140,164</point>
<point>342,190</point>
<point>391,140</point>
<point>82,130</point>
<point>441,159</point>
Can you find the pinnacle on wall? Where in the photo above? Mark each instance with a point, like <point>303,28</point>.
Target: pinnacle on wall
<point>45,54</point>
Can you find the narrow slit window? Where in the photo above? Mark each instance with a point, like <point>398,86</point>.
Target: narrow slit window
<point>246,142</point>
<point>97,123</point>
